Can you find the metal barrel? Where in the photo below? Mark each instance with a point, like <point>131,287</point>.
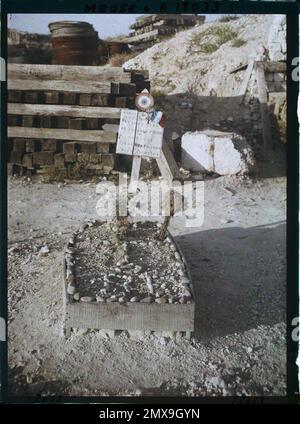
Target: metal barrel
<point>117,47</point>
<point>74,43</point>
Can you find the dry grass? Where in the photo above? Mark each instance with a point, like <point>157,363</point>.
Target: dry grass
<point>211,39</point>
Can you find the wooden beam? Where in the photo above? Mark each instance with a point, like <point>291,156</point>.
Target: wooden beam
<point>135,173</point>
<point>273,66</point>
<point>62,134</point>
<point>67,72</point>
<point>136,316</point>
<point>167,164</point>
<point>244,85</point>
<point>56,85</point>
<point>151,35</point>
<point>263,99</point>
<point>64,110</point>
<point>240,67</point>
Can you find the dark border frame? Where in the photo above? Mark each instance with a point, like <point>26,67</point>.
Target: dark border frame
<point>291,9</point>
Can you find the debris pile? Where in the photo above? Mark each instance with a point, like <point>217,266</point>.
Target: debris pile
<point>24,47</point>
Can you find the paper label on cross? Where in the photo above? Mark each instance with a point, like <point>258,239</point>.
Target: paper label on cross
<point>138,135</point>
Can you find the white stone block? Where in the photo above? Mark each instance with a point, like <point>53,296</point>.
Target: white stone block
<point>218,152</point>
<point>196,152</point>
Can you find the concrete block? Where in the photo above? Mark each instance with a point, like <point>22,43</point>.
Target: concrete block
<point>197,152</point>
<point>218,152</point>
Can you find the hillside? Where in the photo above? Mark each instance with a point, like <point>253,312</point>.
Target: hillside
<point>200,59</point>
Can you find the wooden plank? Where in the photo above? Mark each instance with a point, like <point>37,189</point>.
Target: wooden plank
<point>243,88</point>
<point>167,164</point>
<point>148,36</point>
<point>62,134</point>
<point>240,67</point>
<point>67,72</point>
<point>146,20</point>
<point>264,109</point>
<point>138,316</point>
<point>64,110</point>
<point>87,87</point>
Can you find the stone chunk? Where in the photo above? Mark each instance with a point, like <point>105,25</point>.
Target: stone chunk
<point>218,152</point>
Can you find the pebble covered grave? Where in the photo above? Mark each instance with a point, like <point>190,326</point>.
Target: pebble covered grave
<point>124,264</point>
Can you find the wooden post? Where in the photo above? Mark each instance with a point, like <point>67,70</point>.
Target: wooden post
<point>244,85</point>
<point>263,98</point>
<point>135,173</point>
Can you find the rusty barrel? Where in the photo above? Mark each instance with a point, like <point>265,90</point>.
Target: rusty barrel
<point>74,43</point>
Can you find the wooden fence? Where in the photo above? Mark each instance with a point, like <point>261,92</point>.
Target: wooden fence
<point>67,104</point>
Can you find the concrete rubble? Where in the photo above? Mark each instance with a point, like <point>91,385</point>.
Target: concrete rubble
<point>217,152</point>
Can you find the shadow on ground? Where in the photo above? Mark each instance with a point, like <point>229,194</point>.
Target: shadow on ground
<point>239,276</point>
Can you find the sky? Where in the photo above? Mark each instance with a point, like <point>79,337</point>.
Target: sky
<point>106,25</point>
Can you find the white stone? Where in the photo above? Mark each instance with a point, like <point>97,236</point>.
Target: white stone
<point>71,289</point>
<point>134,299</point>
<point>197,152</point>
<point>76,296</point>
<point>100,299</point>
<point>229,153</point>
<point>44,250</point>
<point>86,299</point>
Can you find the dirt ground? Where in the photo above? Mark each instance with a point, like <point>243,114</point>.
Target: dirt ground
<point>237,261</point>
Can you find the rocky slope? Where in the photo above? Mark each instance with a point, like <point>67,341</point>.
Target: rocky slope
<point>199,60</point>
